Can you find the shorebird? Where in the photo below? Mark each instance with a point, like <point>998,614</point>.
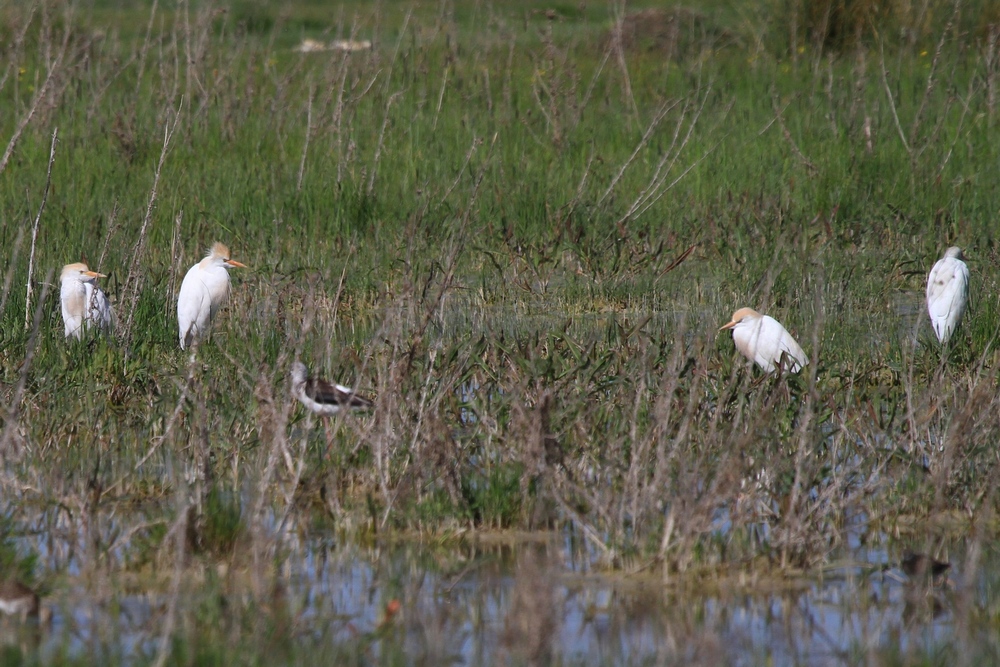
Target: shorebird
<point>204,290</point>
<point>916,566</point>
<point>763,340</point>
<point>83,303</point>
<point>947,292</point>
<point>16,599</point>
<point>322,397</point>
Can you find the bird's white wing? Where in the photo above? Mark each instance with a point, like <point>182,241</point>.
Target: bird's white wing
<point>763,353</point>
<point>790,346</point>
<point>775,341</point>
<point>193,309</point>
<point>217,285</point>
<point>947,292</point>
<point>98,307</point>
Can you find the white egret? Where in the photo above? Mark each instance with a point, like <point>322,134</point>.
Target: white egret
<point>763,340</point>
<point>947,292</point>
<point>204,290</point>
<point>322,397</point>
<point>83,303</point>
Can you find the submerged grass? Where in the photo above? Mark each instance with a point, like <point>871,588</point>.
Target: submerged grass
<point>519,229</point>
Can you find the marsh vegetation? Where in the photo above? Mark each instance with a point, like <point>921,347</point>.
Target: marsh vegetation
<point>518,227</point>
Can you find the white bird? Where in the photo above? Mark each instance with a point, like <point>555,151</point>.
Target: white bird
<point>16,599</point>
<point>204,290</point>
<point>83,303</point>
<point>763,340</point>
<point>947,292</point>
<point>322,397</point>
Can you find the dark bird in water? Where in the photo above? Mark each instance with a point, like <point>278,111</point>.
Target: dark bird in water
<point>916,565</point>
<point>322,397</point>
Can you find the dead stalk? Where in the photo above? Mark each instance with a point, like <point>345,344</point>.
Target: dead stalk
<point>806,162</point>
<point>133,284</point>
<point>145,48</point>
<point>892,103</point>
<point>476,142</point>
<point>15,55</point>
<point>41,95</point>
<point>305,145</point>
<point>34,228</point>
<point>179,534</point>
<point>931,81</point>
<point>657,186</point>
<point>381,140</point>
<point>175,264</point>
<point>110,234</point>
<point>396,50</point>
<point>619,48</point>
<point>660,115</point>
<point>338,117</point>
<point>171,422</point>
<point>8,279</point>
<point>13,409</point>
<point>437,111</point>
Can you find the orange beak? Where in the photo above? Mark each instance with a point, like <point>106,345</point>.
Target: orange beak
<point>728,325</point>
<point>94,274</point>
<point>234,264</point>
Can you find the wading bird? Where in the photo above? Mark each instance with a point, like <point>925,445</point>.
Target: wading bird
<point>83,303</point>
<point>204,290</point>
<point>763,340</point>
<point>322,397</point>
<point>916,565</point>
<point>947,292</point>
<point>16,599</point>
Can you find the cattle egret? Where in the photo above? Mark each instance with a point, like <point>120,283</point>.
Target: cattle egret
<point>83,303</point>
<point>323,398</point>
<point>947,292</point>
<point>204,290</point>
<point>16,599</point>
<point>763,340</point>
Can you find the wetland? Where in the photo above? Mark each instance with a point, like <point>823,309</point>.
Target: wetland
<point>517,228</point>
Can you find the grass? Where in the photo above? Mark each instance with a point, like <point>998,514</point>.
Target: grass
<point>521,235</point>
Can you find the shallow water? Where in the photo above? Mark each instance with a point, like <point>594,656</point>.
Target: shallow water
<point>524,598</point>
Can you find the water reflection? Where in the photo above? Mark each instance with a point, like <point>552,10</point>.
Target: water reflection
<point>525,602</point>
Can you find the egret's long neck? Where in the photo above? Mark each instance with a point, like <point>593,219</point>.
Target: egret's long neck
<point>74,297</point>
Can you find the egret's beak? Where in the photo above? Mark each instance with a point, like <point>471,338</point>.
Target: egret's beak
<point>234,264</point>
<point>94,274</point>
<point>728,325</point>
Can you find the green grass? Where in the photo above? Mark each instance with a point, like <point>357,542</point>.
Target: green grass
<point>478,221</point>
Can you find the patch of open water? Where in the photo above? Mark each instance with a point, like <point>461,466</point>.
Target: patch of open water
<point>478,601</point>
